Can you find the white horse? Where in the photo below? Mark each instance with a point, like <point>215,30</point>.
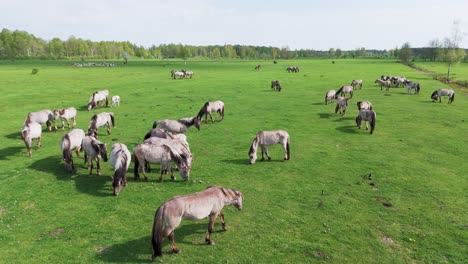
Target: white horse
<point>164,155</point>
<point>268,138</point>
<point>366,115</point>
<point>98,96</point>
<point>356,83</point>
<point>330,96</point>
<point>188,73</point>
<point>94,150</point>
<point>177,74</point>
<point>178,126</point>
<point>41,117</point>
<point>66,115</point>
<point>344,90</point>
<point>101,119</point>
<point>443,92</point>
<point>115,101</point>
<point>71,141</point>
<point>341,104</point>
<point>364,105</point>
<point>211,106</point>
<point>120,159</point>
<point>32,130</point>
<point>208,203</point>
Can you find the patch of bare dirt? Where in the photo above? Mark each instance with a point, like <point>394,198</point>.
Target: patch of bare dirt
<point>387,240</point>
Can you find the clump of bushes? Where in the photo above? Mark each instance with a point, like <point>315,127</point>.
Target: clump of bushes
<point>34,71</point>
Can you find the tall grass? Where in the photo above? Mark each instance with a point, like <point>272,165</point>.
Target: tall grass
<point>324,205</point>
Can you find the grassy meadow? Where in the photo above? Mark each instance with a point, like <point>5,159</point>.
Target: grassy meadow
<point>320,206</point>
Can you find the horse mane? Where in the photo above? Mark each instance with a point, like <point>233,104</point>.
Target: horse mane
<point>203,110</point>
<point>187,122</point>
<point>434,94</point>
<point>92,124</point>
<point>66,150</point>
<point>120,171</point>
<point>178,159</point>
<point>255,140</point>
<point>372,121</point>
<point>148,135</point>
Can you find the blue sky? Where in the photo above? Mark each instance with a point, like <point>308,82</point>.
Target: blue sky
<point>295,24</point>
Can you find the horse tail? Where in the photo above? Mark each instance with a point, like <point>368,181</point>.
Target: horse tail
<point>107,101</point>
<point>155,123</point>
<point>372,122</point>
<point>222,111</point>
<point>156,238</point>
<point>287,149</point>
<point>336,108</point>
<point>418,88</point>
<point>452,97</point>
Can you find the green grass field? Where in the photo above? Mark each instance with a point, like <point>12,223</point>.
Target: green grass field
<point>458,71</point>
<point>318,207</point>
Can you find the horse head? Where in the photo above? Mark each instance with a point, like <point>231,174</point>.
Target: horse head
<point>197,122</point>
<point>238,200</point>
<point>103,151</point>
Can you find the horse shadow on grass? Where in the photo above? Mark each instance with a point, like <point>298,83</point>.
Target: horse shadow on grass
<point>348,129</point>
<point>139,250</point>
<point>241,162</point>
<point>344,119</point>
<point>90,184</point>
<point>14,135</point>
<point>326,115</point>
<point>11,151</point>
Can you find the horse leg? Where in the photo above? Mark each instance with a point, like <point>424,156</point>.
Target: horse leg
<point>208,240</point>
<point>263,155</point>
<point>161,173</point>
<point>223,223</point>
<point>38,142</point>
<point>285,151</point>
<point>266,152</point>
<point>90,166</point>
<point>211,117</point>
<point>170,236</point>
<point>98,165</point>
<point>63,124</point>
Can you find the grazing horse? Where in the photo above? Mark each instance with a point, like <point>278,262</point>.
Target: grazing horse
<point>383,83</point>
<point>120,159</point>
<point>356,83</point>
<point>164,155</point>
<point>258,67</point>
<point>213,106</point>
<point>366,115</point>
<point>66,115</point>
<point>101,119</point>
<point>71,141</point>
<point>178,126</point>
<point>178,144</point>
<point>187,73</point>
<point>32,130</point>
<point>94,150</point>
<point>115,101</point>
<point>268,138</point>
<point>179,74</point>
<point>443,92</point>
<point>364,105</point>
<point>41,117</point>
<point>292,69</point>
<point>200,205</point>
<point>275,85</point>
<point>341,104</point>
<point>330,96</point>
<point>344,90</point>
<point>98,96</point>
<point>412,85</point>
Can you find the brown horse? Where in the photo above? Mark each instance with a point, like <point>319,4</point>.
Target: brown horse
<point>208,203</point>
<point>275,85</point>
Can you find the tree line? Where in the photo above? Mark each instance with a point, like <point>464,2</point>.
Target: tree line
<point>23,45</point>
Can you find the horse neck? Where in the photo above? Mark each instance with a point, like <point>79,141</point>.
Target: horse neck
<point>254,146</point>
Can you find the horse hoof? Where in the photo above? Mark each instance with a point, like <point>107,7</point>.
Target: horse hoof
<point>175,251</point>
<point>210,242</point>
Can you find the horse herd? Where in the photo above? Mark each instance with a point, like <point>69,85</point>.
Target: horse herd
<point>166,143</point>
<point>365,108</point>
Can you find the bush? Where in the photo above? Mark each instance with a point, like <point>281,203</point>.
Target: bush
<point>34,71</point>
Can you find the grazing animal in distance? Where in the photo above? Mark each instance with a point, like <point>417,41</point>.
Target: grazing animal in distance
<point>383,83</point>
<point>41,117</point>
<point>344,90</point>
<point>258,67</point>
<point>356,83</point>
<point>71,141</point>
<point>178,126</point>
<point>101,119</point>
<point>369,116</point>
<point>341,104</point>
<point>200,205</point>
<point>275,85</point>
<point>115,101</point>
<point>120,159</point>
<point>96,98</point>
<point>164,155</point>
<point>412,85</point>
<point>94,150</point>
<point>32,130</point>
<point>209,107</point>
<point>263,139</point>
<point>330,96</point>
<point>66,115</point>
<point>443,92</point>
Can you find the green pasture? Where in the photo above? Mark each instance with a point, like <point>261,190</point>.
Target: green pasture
<point>458,71</point>
<point>324,205</point>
